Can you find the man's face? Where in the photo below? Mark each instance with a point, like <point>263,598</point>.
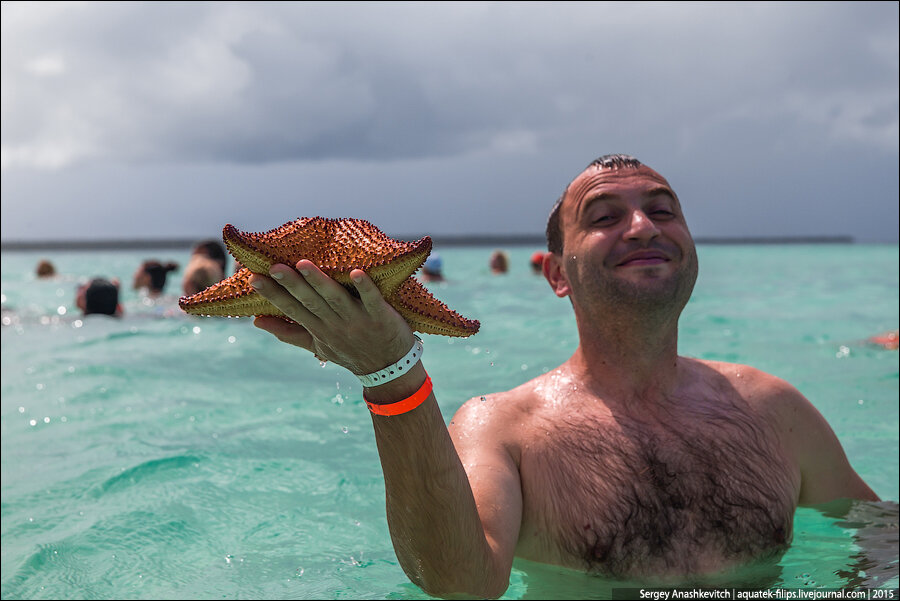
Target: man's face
<point>625,240</point>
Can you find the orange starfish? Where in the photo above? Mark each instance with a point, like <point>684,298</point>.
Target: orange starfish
<point>337,246</point>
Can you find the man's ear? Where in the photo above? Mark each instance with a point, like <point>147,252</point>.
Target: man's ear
<point>556,275</point>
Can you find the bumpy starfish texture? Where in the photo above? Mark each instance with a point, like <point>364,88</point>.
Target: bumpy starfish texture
<point>337,246</point>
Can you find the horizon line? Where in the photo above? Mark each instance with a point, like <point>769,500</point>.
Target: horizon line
<point>439,240</point>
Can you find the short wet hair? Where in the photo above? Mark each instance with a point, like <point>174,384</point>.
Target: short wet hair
<point>607,161</point>
<point>101,296</point>
<point>213,249</point>
<point>45,269</point>
<point>158,272</point>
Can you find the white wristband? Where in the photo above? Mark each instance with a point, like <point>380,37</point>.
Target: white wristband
<point>394,370</point>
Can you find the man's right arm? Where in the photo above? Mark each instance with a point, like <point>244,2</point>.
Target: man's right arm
<point>454,527</point>
<point>447,542</point>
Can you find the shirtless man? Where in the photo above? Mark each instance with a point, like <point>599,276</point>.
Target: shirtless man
<point>628,460</point>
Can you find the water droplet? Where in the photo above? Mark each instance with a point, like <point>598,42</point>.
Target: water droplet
<point>231,339</point>
<point>32,422</point>
<point>46,420</point>
<point>323,363</point>
<point>861,401</point>
<point>61,310</point>
<point>483,399</point>
<point>492,364</point>
<point>345,429</point>
<point>21,409</point>
<point>196,329</point>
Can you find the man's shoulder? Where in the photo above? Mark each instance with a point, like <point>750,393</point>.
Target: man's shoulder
<point>757,387</point>
<point>505,411</point>
<point>521,399</point>
<point>744,376</point>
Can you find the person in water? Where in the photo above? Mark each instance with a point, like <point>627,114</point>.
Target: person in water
<point>628,460</point>
<point>45,269</point>
<point>433,269</point>
<point>206,267</point>
<point>151,276</point>
<point>499,262</point>
<point>536,262</point>
<point>99,296</point>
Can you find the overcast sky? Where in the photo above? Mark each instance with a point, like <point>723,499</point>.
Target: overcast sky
<point>162,120</point>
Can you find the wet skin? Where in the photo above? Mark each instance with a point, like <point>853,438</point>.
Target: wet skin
<point>627,460</point>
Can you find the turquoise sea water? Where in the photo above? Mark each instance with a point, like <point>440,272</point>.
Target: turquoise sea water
<point>164,456</point>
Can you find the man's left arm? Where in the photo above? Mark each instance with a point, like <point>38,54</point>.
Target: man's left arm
<point>825,471</point>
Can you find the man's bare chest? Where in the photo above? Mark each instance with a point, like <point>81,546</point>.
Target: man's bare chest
<point>628,498</point>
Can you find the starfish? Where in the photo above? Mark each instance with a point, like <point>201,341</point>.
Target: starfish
<point>337,246</point>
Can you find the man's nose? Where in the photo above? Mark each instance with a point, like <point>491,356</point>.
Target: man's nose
<point>641,227</point>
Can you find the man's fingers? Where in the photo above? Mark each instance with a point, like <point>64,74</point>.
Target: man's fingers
<point>284,298</point>
<point>303,291</point>
<point>335,295</point>
<point>369,293</point>
<point>285,331</point>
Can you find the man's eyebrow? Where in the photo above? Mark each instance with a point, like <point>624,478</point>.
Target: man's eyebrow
<point>607,196</point>
<point>662,191</point>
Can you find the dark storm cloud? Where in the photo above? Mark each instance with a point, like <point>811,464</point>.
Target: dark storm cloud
<point>298,81</point>
<point>489,95</point>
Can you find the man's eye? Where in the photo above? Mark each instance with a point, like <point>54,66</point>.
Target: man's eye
<point>662,213</point>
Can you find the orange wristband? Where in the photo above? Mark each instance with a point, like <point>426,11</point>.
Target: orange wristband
<point>404,406</point>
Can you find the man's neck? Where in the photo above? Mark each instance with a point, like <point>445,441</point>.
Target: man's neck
<point>628,357</point>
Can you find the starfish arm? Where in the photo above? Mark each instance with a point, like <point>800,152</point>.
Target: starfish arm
<point>337,247</point>
<point>428,315</point>
<point>232,297</point>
